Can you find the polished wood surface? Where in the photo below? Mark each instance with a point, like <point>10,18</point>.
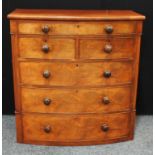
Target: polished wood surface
<point>76,100</point>
<point>75,128</point>
<point>77,28</point>
<point>58,48</point>
<point>75,75</point>
<point>75,14</point>
<point>96,48</point>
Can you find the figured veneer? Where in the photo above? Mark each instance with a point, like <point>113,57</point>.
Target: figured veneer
<point>46,48</point>
<point>76,100</point>
<point>71,73</point>
<point>77,28</point>
<point>75,128</point>
<point>107,48</point>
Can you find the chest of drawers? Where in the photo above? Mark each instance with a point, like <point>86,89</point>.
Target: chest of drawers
<point>75,75</point>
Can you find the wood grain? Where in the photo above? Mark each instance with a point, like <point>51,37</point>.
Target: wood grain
<point>76,28</point>
<point>71,128</point>
<point>95,48</point>
<point>89,15</point>
<point>76,100</point>
<point>59,48</point>
<point>72,74</point>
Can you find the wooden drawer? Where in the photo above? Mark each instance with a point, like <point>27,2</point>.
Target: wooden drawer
<point>46,47</point>
<point>75,100</point>
<point>107,48</point>
<point>96,127</point>
<point>77,28</point>
<point>71,73</point>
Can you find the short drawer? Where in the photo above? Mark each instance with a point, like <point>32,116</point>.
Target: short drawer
<point>107,48</point>
<point>46,48</point>
<point>46,100</point>
<point>77,28</point>
<point>96,127</point>
<point>75,74</point>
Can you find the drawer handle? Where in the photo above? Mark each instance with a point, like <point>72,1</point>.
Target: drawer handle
<point>109,29</point>
<point>105,127</point>
<point>46,74</point>
<point>47,101</point>
<point>45,29</point>
<point>108,48</point>
<point>107,74</point>
<point>105,100</point>
<point>45,48</point>
<point>47,129</point>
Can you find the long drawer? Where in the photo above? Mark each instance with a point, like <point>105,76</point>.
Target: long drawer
<point>77,28</point>
<point>75,74</point>
<point>46,100</point>
<point>43,127</point>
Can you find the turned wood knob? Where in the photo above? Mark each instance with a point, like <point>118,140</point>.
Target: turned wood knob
<point>46,74</point>
<point>45,29</point>
<point>105,127</point>
<point>45,48</point>
<point>107,74</point>
<point>105,100</point>
<point>108,48</point>
<point>47,129</point>
<point>47,101</point>
<point>108,29</point>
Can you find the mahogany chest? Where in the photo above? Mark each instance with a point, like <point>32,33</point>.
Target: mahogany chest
<point>75,75</point>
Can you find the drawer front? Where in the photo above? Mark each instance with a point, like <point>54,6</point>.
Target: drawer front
<point>75,100</point>
<point>107,48</point>
<point>77,28</point>
<point>71,73</point>
<point>46,48</point>
<point>71,128</point>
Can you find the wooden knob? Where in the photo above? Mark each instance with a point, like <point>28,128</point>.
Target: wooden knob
<point>107,74</point>
<point>106,100</point>
<point>46,74</point>
<point>108,48</point>
<point>47,101</point>
<point>47,129</point>
<point>105,127</point>
<point>45,48</point>
<point>109,29</point>
<point>45,29</point>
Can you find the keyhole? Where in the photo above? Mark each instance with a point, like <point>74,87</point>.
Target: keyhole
<point>109,40</point>
<point>45,40</point>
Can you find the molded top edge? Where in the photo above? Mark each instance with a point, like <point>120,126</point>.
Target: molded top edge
<point>42,14</point>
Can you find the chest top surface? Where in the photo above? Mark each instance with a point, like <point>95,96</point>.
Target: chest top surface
<point>41,14</point>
